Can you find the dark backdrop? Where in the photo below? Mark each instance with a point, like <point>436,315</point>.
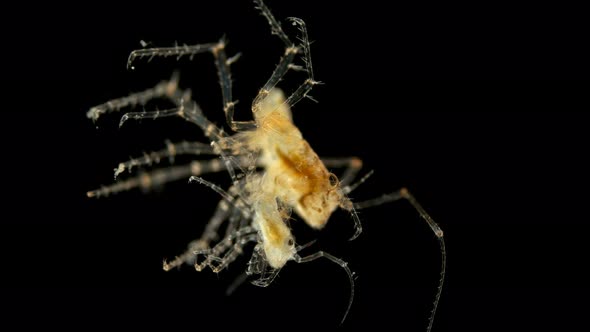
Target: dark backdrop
<point>468,107</point>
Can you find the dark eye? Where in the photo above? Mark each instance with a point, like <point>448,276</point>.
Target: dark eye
<point>333,180</point>
<point>290,242</point>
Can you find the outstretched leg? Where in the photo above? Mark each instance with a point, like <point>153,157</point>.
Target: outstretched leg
<point>309,83</point>
<point>225,251</point>
<point>222,62</point>
<point>405,194</point>
<point>286,61</point>
<point>185,107</point>
<point>159,177</point>
<point>161,90</point>
<point>171,151</point>
<point>338,261</point>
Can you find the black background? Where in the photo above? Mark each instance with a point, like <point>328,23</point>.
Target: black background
<point>466,106</point>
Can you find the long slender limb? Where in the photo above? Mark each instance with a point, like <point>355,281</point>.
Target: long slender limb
<point>189,110</point>
<point>236,201</point>
<point>186,108</point>
<point>162,89</point>
<point>199,247</point>
<point>224,211</point>
<point>281,69</point>
<point>351,187</point>
<point>159,177</point>
<point>343,264</point>
<point>275,26</point>
<point>223,72</point>
<point>405,194</point>
<point>221,214</point>
<point>305,44</point>
<point>236,220</point>
<point>215,254</point>
<point>309,83</point>
<point>286,61</point>
<point>176,51</point>
<point>171,151</point>
<point>222,62</point>
<point>145,181</point>
<point>234,252</point>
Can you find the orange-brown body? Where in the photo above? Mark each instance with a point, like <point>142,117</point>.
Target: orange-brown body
<point>294,177</point>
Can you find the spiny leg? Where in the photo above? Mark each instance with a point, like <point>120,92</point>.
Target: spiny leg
<point>171,151</point>
<point>225,210</point>
<point>286,61</point>
<point>178,51</point>
<point>159,177</point>
<point>405,194</point>
<point>237,220</point>
<point>225,246</point>
<point>308,84</point>
<point>280,70</point>
<point>275,26</point>
<point>188,110</point>
<point>234,252</point>
<point>222,62</point>
<point>237,201</point>
<point>162,89</point>
<point>222,212</point>
<point>223,72</point>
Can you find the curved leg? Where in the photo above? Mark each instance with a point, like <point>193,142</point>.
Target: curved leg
<point>343,264</point>
<point>405,194</point>
<point>286,61</point>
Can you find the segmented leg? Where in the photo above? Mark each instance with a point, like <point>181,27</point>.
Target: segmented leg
<point>188,110</point>
<point>178,51</point>
<point>225,210</point>
<point>159,177</point>
<point>234,210</point>
<point>308,84</point>
<point>170,152</point>
<point>234,252</point>
<point>275,26</point>
<point>223,71</point>
<point>286,61</point>
<point>227,245</point>
<point>405,194</point>
<point>237,200</point>
<point>343,264</point>
<point>222,62</point>
<point>162,89</point>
